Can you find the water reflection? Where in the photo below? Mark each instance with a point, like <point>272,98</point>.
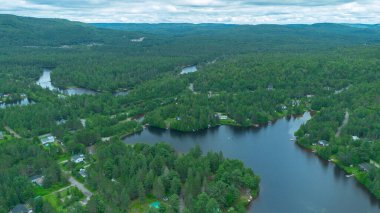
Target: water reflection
<point>45,82</point>
<point>189,69</point>
<point>293,179</point>
<point>23,102</point>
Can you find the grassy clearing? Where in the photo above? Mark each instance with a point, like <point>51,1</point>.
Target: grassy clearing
<point>61,201</point>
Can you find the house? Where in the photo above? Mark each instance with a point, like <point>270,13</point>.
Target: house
<point>77,158</point>
<point>21,208</point>
<point>296,103</point>
<point>37,179</point>
<point>270,87</point>
<point>1,135</point>
<point>355,138</point>
<point>47,139</point>
<point>83,172</point>
<point>221,116</point>
<point>323,143</point>
<point>365,167</point>
<point>138,39</point>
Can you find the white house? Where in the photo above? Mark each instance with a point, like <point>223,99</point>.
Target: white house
<point>47,139</point>
<point>78,158</point>
<point>323,143</point>
<point>138,39</point>
<point>83,172</point>
<point>221,116</point>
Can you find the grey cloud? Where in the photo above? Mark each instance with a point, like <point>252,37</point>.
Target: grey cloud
<point>198,11</point>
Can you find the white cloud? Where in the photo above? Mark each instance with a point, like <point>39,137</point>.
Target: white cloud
<point>200,11</point>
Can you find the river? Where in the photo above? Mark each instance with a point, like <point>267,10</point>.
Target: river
<point>292,179</point>
<point>45,82</point>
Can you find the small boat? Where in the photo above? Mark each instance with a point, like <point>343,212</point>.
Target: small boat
<point>292,139</point>
<point>348,176</point>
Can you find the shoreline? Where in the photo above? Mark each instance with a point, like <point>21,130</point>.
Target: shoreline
<point>343,168</point>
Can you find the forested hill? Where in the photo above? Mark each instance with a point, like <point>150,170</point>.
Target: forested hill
<point>26,31</point>
<point>330,34</point>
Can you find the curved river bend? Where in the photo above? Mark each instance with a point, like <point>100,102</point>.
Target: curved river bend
<point>292,179</point>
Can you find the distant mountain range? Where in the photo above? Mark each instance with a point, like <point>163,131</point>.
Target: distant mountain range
<point>25,31</point>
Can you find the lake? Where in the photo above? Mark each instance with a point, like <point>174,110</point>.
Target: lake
<point>45,82</point>
<point>292,179</point>
<point>189,69</point>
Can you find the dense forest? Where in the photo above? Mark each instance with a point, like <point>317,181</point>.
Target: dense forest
<point>247,76</point>
<point>126,176</point>
<point>20,160</point>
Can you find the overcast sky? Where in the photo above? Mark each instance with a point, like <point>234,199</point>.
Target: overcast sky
<point>200,11</point>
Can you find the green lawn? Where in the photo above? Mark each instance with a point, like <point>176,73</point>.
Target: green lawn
<point>41,191</point>
<point>61,201</point>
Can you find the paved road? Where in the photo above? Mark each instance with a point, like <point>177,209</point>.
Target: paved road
<point>344,123</point>
<point>82,188</point>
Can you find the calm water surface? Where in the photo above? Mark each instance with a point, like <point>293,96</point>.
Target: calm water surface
<point>292,180</point>
<point>190,69</point>
<point>45,82</point>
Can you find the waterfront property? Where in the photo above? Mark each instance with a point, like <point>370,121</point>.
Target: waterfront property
<point>365,167</point>
<point>323,143</point>
<point>221,116</point>
<point>260,147</point>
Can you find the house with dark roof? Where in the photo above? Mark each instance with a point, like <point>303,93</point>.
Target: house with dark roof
<point>365,167</point>
<point>83,172</point>
<point>37,179</point>
<point>21,208</point>
<point>270,87</point>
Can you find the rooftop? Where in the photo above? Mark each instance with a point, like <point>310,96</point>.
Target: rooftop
<point>20,208</point>
<point>76,157</point>
<point>365,166</point>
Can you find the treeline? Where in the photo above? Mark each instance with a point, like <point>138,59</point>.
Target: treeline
<point>358,142</point>
<point>257,88</point>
